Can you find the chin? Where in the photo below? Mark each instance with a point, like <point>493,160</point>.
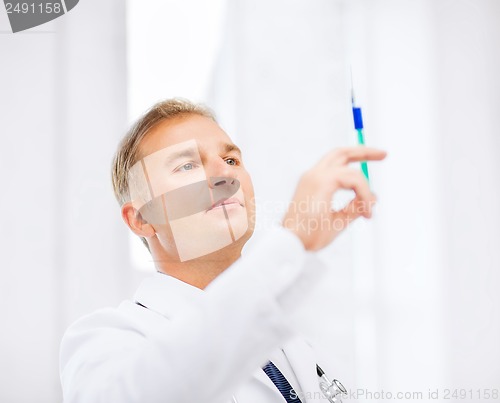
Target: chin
<point>204,234</point>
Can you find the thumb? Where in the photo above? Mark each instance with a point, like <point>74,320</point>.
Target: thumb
<point>355,208</point>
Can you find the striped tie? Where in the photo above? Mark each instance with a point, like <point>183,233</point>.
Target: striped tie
<point>281,383</point>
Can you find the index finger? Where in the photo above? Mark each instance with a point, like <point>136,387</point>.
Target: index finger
<point>345,155</point>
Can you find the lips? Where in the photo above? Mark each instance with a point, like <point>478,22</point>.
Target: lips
<point>225,201</point>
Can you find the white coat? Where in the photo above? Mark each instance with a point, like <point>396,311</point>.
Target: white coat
<point>187,345</point>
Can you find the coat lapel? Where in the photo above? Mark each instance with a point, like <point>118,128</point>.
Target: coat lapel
<point>262,377</point>
<point>302,360</point>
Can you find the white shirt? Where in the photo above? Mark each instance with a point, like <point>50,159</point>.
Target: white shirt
<point>194,345</point>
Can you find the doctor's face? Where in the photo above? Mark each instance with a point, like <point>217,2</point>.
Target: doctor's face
<point>191,185</point>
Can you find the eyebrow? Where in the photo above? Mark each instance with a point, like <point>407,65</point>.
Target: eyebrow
<point>189,152</point>
<point>228,147</point>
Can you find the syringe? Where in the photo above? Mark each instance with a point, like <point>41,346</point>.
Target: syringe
<point>358,126</point>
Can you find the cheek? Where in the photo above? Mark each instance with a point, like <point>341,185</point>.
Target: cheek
<point>249,196</point>
<point>246,186</point>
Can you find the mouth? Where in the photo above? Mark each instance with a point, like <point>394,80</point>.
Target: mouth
<point>231,201</point>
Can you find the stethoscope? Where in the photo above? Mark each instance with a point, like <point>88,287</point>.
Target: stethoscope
<point>331,389</point>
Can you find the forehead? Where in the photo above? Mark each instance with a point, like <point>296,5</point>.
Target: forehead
<point>204,130</point>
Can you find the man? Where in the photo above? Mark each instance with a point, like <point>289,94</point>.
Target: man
<point>211,325</point>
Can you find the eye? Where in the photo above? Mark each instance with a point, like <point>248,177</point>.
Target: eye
<point>232,161</point>
<point>188,166</point>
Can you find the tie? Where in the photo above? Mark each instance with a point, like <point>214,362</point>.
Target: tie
<point>281,383</point>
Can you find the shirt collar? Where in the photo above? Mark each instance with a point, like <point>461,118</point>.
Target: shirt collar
<point>166,294</point>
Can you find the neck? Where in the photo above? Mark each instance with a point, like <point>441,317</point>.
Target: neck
<point>198,272</point>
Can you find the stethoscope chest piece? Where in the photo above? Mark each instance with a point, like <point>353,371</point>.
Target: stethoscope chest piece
<point>332,390</point>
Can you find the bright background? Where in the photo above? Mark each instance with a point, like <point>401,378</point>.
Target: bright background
<point>412,300</point>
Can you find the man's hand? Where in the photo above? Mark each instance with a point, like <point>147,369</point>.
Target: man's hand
<point>310,216</point>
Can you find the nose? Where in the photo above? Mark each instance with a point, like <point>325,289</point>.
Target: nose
<point>223,187</point>
<point>219,174</point>
<point>221,181</point>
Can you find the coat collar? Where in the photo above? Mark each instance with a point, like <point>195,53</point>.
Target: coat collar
<point>167,295</point>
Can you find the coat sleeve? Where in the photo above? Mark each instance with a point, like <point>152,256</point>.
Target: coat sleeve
<point>202,354</point>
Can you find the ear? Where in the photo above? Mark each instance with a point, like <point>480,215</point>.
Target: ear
<point>135,222</point>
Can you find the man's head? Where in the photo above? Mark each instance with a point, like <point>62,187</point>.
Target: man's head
<point>182,184</point>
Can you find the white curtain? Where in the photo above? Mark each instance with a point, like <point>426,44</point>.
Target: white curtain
<point>411,302</point>
<point>63,247</point>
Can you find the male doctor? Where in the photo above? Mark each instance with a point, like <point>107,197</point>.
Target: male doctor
<point>211,325</point>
